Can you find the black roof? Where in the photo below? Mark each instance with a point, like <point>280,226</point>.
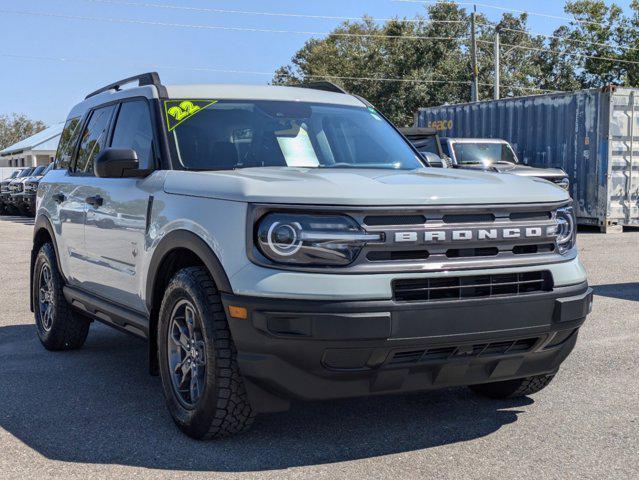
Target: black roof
<point>416,132</point>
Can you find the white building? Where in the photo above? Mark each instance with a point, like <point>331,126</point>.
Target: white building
<point>38,149</point>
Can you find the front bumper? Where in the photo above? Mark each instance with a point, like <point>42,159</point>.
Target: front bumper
<point>29,201</point>
<point>319,350</point>
<point>16,198</point>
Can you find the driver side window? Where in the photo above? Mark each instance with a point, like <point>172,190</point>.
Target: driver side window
<point>133,130</point>
<point>93,140</point>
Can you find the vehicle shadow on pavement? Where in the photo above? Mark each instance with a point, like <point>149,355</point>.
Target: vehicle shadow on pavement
<point>623,291</point>
<point>99,405</point>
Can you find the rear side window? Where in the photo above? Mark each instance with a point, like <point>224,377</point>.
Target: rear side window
<point>68,140</point>
<point>428,144</point>
<point>93,139</point>
<point>133,130</point>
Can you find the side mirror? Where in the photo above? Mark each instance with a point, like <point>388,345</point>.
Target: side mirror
<point>433,159</point>
<point>117,163</point>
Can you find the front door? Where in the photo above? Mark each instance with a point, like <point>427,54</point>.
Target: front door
<point>115,226</point>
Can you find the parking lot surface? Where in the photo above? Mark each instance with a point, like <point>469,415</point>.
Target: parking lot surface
<point>96,413</point>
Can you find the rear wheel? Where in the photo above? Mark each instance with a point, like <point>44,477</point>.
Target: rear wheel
<point>58,326</point>
<point>202,384</point>
<point>513,388</point>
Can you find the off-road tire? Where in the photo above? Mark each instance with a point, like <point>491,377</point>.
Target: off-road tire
<point>519,387</point>
<point>69,329</point>
<point>223,409</point>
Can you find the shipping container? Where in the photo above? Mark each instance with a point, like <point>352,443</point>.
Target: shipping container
<point>591,134</point>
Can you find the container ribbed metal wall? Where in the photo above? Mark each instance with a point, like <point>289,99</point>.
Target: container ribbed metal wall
<point>592,134</point>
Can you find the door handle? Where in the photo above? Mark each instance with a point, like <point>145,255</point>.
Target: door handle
<point>95,201</point>
<point>58,197</point>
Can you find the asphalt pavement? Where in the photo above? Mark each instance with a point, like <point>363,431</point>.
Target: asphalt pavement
<point>96,413</point>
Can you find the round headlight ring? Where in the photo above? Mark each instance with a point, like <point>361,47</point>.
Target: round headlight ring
<point>565,229</point>
<point>284,238</point>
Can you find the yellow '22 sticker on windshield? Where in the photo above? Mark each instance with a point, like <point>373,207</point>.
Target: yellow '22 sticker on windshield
<point>178,111</point>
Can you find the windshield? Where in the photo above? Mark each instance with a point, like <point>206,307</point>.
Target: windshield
<point>38,170</point>
<point>482,153</point>
<point>25,173</point>
<point>226,135</point>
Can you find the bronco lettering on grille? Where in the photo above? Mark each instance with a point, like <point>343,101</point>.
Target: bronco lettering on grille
<point>482,234</point>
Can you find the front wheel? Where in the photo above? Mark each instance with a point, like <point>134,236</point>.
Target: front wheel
<point>204,390</point>
<point>519,387</point>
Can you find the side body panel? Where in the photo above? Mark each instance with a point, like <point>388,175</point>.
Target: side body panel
<point>115,238</point>
<point>63,198</point>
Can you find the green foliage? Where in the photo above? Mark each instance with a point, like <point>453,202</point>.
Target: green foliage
<point>17,127</point>
<point>425,72</point>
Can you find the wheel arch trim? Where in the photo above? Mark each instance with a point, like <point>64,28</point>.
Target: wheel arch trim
<point>43,222</point>
<point>184,239</point>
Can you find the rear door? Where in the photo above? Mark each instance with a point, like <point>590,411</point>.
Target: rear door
<point>75,189</point>
<point>115,225</point>
<point>67,214</point>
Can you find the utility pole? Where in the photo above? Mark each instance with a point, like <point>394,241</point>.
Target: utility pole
<point>473,54</point>
<point>497,67</point>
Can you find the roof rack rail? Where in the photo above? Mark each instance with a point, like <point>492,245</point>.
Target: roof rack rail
<point>326,86</point>
<point>150,78</point>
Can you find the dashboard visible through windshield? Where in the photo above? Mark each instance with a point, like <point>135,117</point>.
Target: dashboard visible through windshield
<point>225,135</point>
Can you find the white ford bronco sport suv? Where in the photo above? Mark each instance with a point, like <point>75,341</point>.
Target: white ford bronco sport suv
<point>278,243</point>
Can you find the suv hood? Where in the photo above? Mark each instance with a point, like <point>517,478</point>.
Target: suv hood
<point>523,170</point>
<point>425,186</point>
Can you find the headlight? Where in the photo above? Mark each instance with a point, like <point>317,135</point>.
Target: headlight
<point>563,183</point>
<point>311,240</point>
<point>566,229</point>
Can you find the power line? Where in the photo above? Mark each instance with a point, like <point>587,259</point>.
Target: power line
<point>504,9</point>
<point>559,52</point>
<point>271,74</point>
<point>557,37</point>
<point>296,32</point>
<point>331,17</point>
<point>580,55</point>
<point>223,28</point>
<point>260,13</point>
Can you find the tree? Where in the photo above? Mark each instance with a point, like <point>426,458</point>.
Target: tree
<point>405,64</point>
<point>599,30</point>
<point>17,127</point>
<point>398,72</point>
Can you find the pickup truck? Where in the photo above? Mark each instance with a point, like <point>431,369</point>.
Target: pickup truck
<point>498,156</point>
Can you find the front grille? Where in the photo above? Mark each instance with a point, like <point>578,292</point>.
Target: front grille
<point>407,357</point>
<point>396,255</point>
<point>472,252</point>
<point>452,238</point>
<point>476,286</point>
<point>377,220</point>
<point>469,218</point>
<point>447,237</point>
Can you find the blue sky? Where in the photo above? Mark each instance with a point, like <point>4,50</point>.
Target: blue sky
<point>100,52</point>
